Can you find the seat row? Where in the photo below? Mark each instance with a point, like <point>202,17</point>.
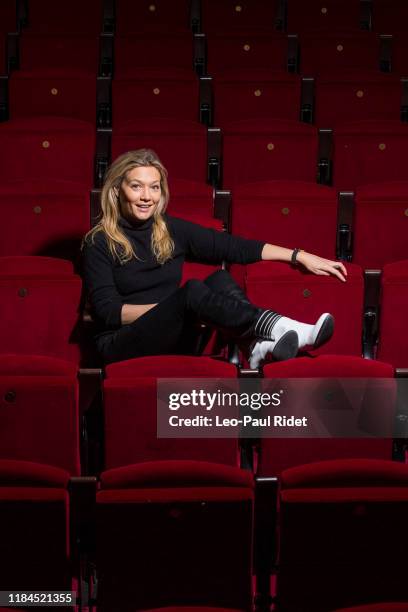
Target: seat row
<point>52,414</point>
<point>357,153</point>
<point>41,306</point>
<point>210,15</point>
<point>50,218</point>
<point>205,519</point>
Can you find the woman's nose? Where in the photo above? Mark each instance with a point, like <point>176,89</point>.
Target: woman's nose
<point>146,193</point>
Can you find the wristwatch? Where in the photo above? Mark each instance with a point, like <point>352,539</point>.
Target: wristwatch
<point>293,259</point>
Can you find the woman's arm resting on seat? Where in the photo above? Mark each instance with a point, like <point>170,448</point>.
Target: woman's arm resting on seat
<point>313,263</point>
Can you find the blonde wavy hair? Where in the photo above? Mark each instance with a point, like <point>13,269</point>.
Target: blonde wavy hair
<point>119,245</point>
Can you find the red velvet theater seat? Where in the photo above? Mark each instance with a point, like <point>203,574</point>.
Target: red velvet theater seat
<point>76,17</point>
<point>190,197</point>
<point>53,93</point>
<point>230,16</point>
<point>357,96</point>
<point>335,51</point>
<point>54,148</point>
<point>158,16</point>
<point>53,70</point>
<point>369,152</point>
<point>304,296</point>
<point>379,206</point>
<point>338,520</point>
<point>393,345</point>
<point>277,454</point>
<point>39,307</point>
<point>247,51</point>
<point>190,523</point>
<point>248,94</point>
<point>130,405</point>
<point>43,217</point>
<point>260,149</point>
<point>326,16</point>
<point>151,92</point>
<point>39,411</point>
<point>34,529</point>
<point>295,211</point>
<point>135,52</point>
<point>181,144</point>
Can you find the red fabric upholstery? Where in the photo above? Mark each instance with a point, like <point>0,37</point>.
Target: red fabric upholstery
<point>356,96</point>
<point>34,531</point>
<point>54,147</point>
<point>132,384</point>
<point>158,16</point>
<point>253,93</point>
<point>327,16</point>
<point>29,474</point>
<point>133,53</point>
<point>59,52</point>
<point>43,217</point>
<point>392,345</point>
<point>35,365</point>
<point>305,297</point>
<point>77,17</point>
<point>256,150</point>
<point>180,144</point>
<point>39,312</point>
<point>155,93</point>
<point>335,530</point>
<point>378,607</point>
<point>161,474</point>
<point>378,206</point>
<point>229,16</point>
<point>189,510</point>
<point>35,266</point>
<point>326,366</point>
<point>53,92</point>
<point>368,152</point>
<point>171,366</point>
<point>278,454</point>
<point>190,198</point>
<point>174,495</point>
<point>39,419</point>
<point>296,211</point>
<point>336,51</point>
<point>346,473</point>
<point>246,50</point>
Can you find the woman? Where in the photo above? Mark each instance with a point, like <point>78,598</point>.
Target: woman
<point>133,261</point>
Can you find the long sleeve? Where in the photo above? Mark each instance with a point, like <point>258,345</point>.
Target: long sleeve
<point>210,246</point>
<point>98,267</point>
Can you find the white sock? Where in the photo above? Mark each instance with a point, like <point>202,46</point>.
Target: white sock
<point>304,330</point>
<point>259,352</point>
<point>272,326</point>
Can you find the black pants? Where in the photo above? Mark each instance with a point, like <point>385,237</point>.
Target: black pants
<point>171,327</point>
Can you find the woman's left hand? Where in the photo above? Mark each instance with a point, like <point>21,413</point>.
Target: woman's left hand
<point>323,267</point>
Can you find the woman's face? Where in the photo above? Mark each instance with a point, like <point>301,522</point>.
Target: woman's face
<point>140,193</point>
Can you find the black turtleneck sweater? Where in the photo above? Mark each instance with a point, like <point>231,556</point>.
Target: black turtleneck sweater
<point>110,284</point>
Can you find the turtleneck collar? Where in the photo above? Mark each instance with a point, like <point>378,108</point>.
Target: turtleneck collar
<point>137,225</point>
